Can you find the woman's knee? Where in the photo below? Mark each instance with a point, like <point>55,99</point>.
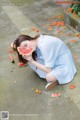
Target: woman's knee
<point>50,77</point>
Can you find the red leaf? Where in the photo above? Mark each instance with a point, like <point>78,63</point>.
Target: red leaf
<point>37,30</point>
<point>11,51</point>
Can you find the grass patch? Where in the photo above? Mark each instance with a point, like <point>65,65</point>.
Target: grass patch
<point>22,2</point>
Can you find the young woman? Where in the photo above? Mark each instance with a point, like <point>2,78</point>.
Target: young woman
<point>51,59</point>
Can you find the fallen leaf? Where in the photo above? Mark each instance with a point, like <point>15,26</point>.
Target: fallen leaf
<point>69,9</point>
<point>33,28</point>
<point>69,34</point>
<point>37,30</point>
<point>44,26</point>
<point>44,18</point>
<point>65,10</point>
<point>50,28</point>
<point>38,91</point>
<point>73,41</point>
<point>11,59</point>
<point>10,51</point>
<point>79,36</point>
<point>76,34</point>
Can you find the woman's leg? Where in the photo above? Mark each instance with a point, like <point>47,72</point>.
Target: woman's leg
<point>51,81</point>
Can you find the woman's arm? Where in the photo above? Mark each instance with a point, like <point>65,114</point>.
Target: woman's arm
<point>40,66</point>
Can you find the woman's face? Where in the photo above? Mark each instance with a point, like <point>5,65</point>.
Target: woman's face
<point>28,44</point>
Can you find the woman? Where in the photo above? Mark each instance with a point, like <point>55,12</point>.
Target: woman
<point>15,44</point>
<point>51,59</point>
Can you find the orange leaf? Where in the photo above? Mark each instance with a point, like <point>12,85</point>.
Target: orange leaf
<point>59,31</point>
<point>65,10</point>
<point>37,30</point>
<point>44,26</point>
<point>44,18</point>
<point>36,91</point>
<point>50,28</point>
<point>73,41</point>
<point>69,9</point>
<point>69,34</point>
<point>33,28</point>
<point>77,34</point>
<point>40,92</point>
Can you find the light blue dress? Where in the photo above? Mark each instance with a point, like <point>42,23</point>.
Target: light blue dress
<point>53,53</point>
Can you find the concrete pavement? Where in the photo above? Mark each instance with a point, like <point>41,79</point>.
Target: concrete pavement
<point>18,85</point>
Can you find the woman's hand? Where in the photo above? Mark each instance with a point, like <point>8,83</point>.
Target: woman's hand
<point>28,57</point>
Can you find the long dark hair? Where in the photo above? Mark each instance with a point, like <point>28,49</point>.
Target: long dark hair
<point>17,43</point>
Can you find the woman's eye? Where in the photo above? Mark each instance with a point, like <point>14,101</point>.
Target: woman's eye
<point>25,45</point>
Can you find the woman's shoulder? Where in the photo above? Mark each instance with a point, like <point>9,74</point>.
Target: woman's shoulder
<point>51,39</point>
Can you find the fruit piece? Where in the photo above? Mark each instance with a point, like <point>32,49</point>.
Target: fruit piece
<point>72,86</point>
<point>25,51</point>
<point>56,95</point>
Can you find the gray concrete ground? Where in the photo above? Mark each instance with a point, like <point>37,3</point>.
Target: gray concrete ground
<point>17,85</point>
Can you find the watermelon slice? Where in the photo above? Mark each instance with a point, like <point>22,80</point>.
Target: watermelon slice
<point>25,51</point>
